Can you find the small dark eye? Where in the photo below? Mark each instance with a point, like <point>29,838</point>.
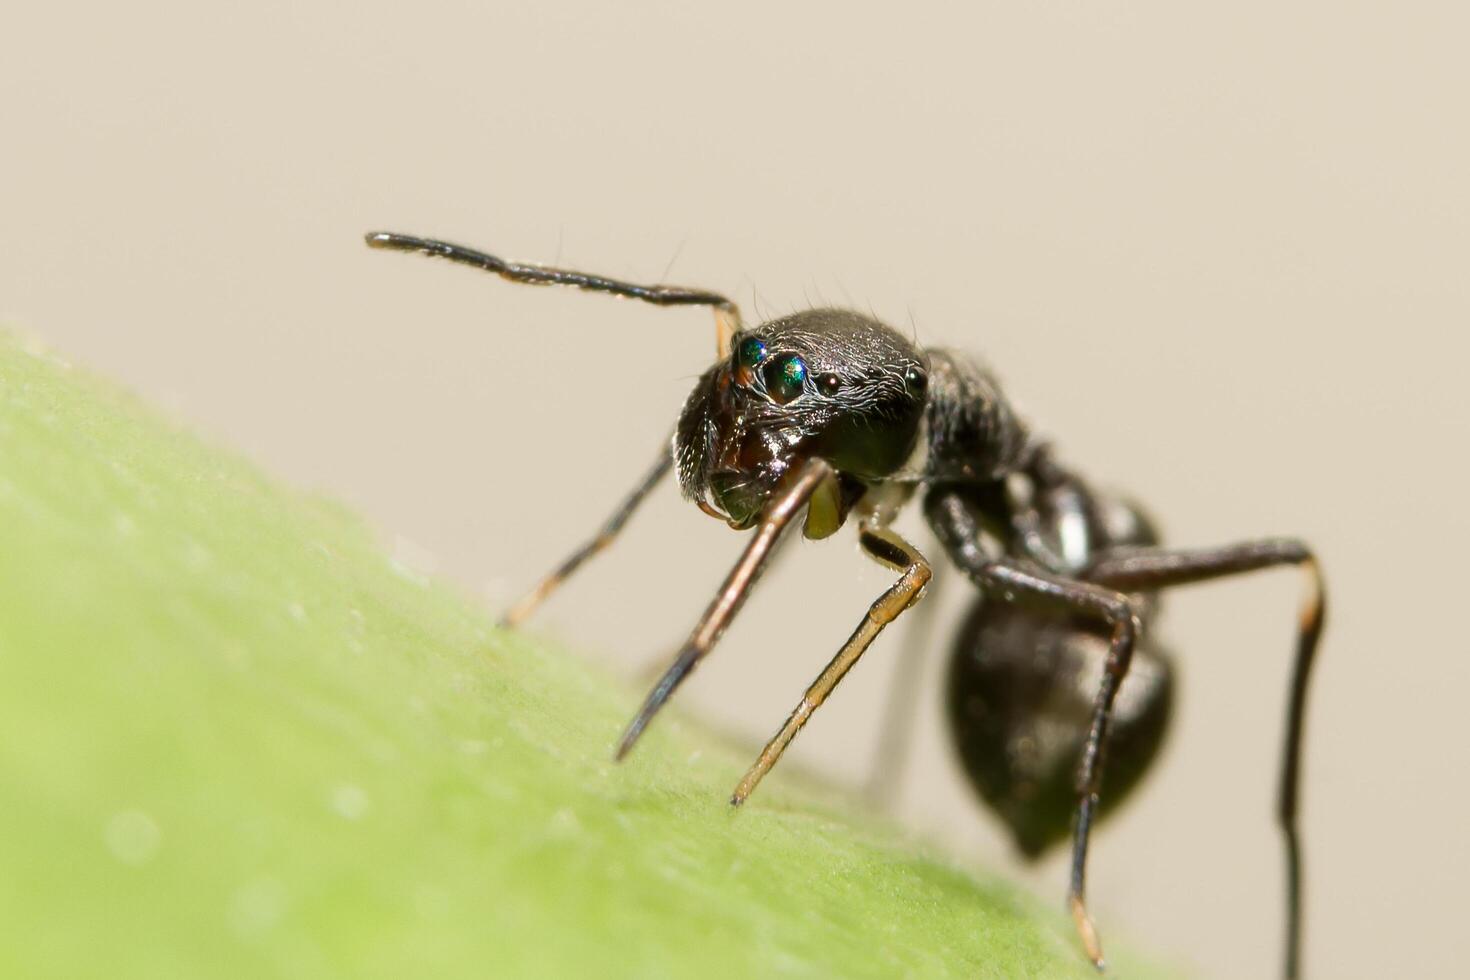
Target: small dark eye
<point>750,352</point>
<point>828,384</point>
<point>785,378</point>
<point>915,380</point>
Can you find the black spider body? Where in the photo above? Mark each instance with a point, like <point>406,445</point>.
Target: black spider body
<point>1054,678</point>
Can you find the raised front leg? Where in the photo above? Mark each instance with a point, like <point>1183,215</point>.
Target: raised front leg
<point>727,315</point>
<point>886,548</point>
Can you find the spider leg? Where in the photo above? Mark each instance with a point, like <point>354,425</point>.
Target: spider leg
<point>727,315</point>
<point>959,532</point>
<point>1149,569</point>
<point>732,594</point>
<point>896,730</point>
<point>528,603</point>
<point>886,548</point>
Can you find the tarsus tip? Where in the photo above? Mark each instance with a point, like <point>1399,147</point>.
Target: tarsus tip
<point>626,743</point>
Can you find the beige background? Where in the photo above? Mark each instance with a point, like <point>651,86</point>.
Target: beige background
<point>1219,253</point>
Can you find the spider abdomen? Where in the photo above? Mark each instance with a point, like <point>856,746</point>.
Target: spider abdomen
<point>1020,696</point>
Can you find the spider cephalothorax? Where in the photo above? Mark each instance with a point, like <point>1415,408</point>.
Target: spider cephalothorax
<point>824,384</point>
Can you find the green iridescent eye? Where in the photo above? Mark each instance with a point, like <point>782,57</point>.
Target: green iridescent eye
<point>751,351</point>
<point>785,378</point>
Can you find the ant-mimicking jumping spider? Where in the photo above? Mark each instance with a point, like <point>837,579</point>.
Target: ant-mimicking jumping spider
<point>834,413</point>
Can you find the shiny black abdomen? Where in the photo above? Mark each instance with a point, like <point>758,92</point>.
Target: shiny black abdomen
<point>1022,680</point>
<point>1020,690</point>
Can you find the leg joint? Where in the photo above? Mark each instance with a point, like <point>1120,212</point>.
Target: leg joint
<point>904,593</point>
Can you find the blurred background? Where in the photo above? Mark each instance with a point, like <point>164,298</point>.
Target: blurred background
<point>1217,252</point>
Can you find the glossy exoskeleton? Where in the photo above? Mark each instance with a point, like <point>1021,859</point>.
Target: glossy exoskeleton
<point>829,415</point>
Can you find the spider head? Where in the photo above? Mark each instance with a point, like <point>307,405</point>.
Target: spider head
<point>827,384</point>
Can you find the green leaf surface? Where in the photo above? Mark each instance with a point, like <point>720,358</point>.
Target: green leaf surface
<point>237,740</point>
